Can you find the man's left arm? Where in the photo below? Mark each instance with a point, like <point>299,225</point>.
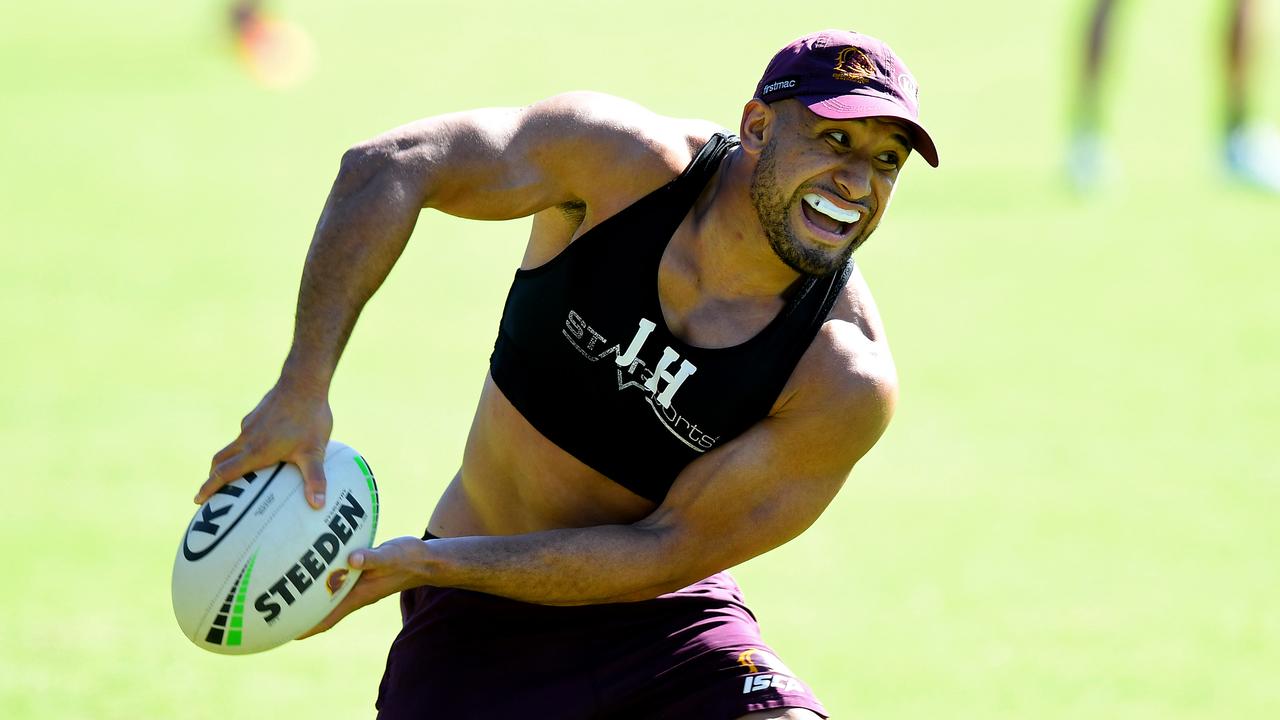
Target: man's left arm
<point>735,502</point>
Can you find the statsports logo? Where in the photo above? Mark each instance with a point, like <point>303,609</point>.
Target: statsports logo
<point>658,386</point>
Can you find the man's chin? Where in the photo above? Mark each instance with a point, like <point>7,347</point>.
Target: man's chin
<point>809,261</point>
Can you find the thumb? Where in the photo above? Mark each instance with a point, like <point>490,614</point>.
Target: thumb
<point>313,479</point>
<point>365,559</point>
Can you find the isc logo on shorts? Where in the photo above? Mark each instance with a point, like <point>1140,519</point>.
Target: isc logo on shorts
<point>756,683</point>
<point>758,662</point>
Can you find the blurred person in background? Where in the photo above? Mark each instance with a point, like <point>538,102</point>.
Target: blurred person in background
<point>1250,149</point>
<point>277,53</point>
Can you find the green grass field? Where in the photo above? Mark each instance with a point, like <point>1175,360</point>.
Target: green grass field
<point>1075,514</point>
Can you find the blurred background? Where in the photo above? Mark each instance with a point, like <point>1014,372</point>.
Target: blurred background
<point>1074,513</point>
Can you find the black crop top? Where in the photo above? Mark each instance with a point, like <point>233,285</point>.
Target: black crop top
<point>584,354</point>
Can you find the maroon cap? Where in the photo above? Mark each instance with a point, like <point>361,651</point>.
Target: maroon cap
<point>840,74</point>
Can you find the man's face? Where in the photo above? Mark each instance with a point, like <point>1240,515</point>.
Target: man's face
<point>820,186</point>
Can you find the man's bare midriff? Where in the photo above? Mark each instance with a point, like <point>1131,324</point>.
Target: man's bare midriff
<point>514,480</point>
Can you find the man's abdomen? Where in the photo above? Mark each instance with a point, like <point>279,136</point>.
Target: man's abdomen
<point>513,480</point>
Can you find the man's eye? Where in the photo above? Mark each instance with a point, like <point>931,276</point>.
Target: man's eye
<point>888,157</point>
<point>838,137</point>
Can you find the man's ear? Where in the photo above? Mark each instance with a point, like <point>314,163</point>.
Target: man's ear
<point>759,122</point>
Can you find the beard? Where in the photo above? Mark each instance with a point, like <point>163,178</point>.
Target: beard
<point>771,208</point>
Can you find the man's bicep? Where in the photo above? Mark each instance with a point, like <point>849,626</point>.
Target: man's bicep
<point>476,164</point>
<point>757,492</point>
<point>504,163</point>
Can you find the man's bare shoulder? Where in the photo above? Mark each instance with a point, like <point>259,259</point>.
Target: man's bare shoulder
<point>847,372</point>
<point>611,145</point>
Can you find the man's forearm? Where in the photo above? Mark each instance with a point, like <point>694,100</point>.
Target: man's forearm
<point>577,566</point>
<point>366,223</point>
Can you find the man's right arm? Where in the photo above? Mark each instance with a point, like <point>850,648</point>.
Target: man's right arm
<point>490,164</point>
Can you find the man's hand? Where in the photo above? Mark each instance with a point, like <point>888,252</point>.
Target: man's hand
<point>393,566</point>
<point>290,424</point>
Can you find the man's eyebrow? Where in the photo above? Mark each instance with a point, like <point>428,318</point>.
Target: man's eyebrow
<point>902,139</point>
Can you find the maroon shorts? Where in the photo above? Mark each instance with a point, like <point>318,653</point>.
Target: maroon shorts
<point>693,653</point>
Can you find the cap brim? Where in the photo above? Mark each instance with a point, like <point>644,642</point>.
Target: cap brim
<point>849,107</point>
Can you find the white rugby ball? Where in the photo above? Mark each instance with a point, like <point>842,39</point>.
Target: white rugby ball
<point>258,566</point>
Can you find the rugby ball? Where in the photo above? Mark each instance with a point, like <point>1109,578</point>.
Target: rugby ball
<point>258,566</point>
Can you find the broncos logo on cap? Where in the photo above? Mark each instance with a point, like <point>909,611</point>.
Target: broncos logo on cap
<point>853,64</point>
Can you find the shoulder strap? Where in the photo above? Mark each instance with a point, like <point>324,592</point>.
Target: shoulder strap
<point>690,182</point>
<point>805,317</point>
<point>808,315</point>
<point>653,214</point>
<point>839,280</point>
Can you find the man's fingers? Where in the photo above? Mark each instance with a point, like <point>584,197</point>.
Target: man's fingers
<point>381,575</point>
<point>393,555</point>
<point>363,559</point>
<point>389,555</point>
<point>313,479</point>
<point>356,599</point>
<point>209,487</point>
<point>238,458</point>
<point>233,468</point>
<point>217,479</point>
<point>220,475</point>
<point>329,621</point>
<point>225,454</point>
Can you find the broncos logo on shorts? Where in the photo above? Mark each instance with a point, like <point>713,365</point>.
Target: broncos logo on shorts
<point>765,671</point>
<point>756,660</point>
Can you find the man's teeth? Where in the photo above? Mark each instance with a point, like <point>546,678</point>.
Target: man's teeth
<point>830,209</point>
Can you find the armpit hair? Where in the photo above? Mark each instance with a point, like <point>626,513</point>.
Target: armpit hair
<point>574,211</point>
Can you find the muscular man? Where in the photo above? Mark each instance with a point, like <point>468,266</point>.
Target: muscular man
<point>687,368</point>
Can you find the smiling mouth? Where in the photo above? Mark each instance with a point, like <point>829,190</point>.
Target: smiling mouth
<point>827,216</point>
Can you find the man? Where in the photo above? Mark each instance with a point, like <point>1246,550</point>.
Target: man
<point>1250,149</point>
<point>687,368</point>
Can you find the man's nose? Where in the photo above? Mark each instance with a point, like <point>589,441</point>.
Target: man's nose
<point>853,178</point>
